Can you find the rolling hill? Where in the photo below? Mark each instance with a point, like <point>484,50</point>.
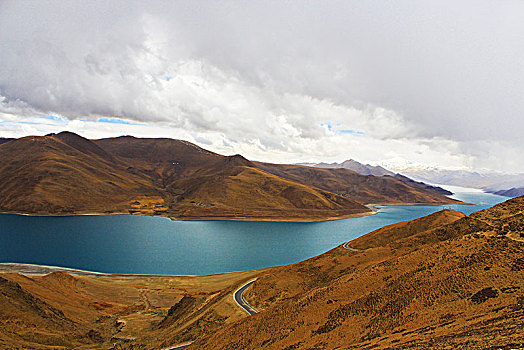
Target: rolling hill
<point>441,281</point>
<point>4,140</point>
<point>512,192</point>
<point>65,173</point>
<point>362,188</point>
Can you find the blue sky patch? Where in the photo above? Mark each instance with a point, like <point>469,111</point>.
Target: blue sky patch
<point>53,117</point>
<point>334,127</point>
<point>349,131</point>
<point>117,121</point>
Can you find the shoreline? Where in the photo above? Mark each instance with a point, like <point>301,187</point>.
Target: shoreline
<point>37,269</point>
<point>373,207</point>
<point>28,269</point>
<point>204,218</point>
<point>262,219</point>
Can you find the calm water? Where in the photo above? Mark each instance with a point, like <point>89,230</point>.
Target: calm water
<point>155,245</point>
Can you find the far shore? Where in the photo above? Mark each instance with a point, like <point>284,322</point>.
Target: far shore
<point>266,219</point>
<point>373,207</point>
<point>41,270</point>
<point>207,218</point>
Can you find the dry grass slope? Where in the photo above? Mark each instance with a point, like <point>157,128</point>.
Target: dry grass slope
<point>443,281</point>
<point>66,173</point>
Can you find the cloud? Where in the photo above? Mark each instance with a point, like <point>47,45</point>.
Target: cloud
<point>420,81</point>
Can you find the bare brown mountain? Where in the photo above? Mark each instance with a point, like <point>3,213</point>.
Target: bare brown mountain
<point>66,173</point>
<point>201,184</point>
<point>4,140</point>
<point>442,281</point>
<point>362,188</point>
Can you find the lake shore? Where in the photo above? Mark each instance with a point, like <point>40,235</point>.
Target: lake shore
<point>373,207</point>
<point>206,218</point>
<point>42,270</point>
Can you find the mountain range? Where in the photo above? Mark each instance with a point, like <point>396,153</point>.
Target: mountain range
<point>65,173</point>
<point>509,185</point>
<point>364,169</point>
<point>512,192</point>
<point>492,182</point>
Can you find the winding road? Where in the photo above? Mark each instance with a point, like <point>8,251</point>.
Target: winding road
<point>179,346</point>
<point>346,246</point>
<point>239,298</point>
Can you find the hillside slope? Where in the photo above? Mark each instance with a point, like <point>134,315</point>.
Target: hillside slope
<point>111,312</point>
<point>443,281</point>
<point>362,188</point>
<point>201,184</point>
<point>65,173</point>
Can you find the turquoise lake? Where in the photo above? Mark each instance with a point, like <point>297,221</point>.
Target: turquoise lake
<point>155,245</point>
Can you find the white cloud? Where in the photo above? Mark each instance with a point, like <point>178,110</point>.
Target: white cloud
<point>274,81</point>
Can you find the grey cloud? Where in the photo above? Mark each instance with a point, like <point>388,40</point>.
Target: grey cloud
<point>274,72</point>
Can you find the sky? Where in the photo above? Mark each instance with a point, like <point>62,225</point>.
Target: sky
<point>426,83</point>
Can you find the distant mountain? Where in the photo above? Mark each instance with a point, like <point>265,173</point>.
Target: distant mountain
<point>422,185</point>
<point>513,192</point>
<point>490,182</point>
<point>66,173</point>
<point>362,188</point>
<point>364,169</point>
<point>4,140</point>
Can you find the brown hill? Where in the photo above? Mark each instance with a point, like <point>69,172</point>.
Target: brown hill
<point>406,229</point>
<point>65,173</point>
<point>4,140</point>
<point>201,184</point>
<point>178,163</point>
<point>25,318</point>
<point>443,281</point>
<point>113,312</point>
<point>362,188</point>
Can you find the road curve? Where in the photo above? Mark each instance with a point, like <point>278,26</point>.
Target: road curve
<point>179,346</point>
<point>239,298</point>
<point>346,246</point>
